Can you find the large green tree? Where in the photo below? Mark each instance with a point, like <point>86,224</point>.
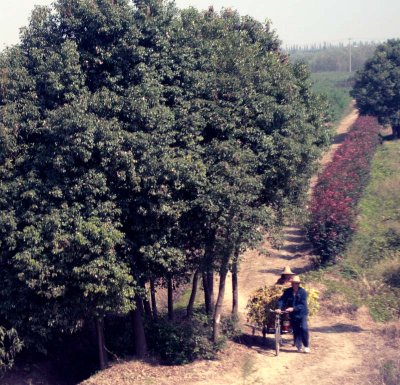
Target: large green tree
<point>140,143</point>
<point>377,85</point>
<point>260,129</point>
<point>65,168</point>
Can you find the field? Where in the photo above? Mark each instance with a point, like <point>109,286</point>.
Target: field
<point>335,86</point>
<point>368,273</point>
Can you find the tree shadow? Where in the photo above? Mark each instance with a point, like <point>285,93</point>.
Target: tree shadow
<point>338,328</point>
<point>305,269</point>
<point>296,238</point>
<point>277,272</point>
<point>299,232</point>
<point>297,270</point>
<point>387,138</point>
<point>264,345</point>
<point>338,139</point>
<point>300,247</point>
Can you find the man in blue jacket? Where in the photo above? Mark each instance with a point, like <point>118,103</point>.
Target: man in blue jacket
<point>294,301</point>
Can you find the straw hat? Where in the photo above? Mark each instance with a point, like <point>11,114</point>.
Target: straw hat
<point>296,279</point>
<point>287,271</point>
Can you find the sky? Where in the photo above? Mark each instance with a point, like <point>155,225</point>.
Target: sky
<point>295,21</point>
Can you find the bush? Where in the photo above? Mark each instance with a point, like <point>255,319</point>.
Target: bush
<point>183,341</point>
<point>383,306</point>
<point>260,302</point>
<point>390,373</point>
<point>10,345</point>
<point>267,297</point>
<point>339,188</point>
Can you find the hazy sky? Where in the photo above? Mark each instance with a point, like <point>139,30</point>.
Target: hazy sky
<point>296,21</point>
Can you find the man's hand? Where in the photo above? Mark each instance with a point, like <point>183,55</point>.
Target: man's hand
<point>278,311</point>
<point>289,309</point>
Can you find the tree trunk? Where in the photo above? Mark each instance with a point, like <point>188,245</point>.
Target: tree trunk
<point>189,310</point>
<point>170,300</point>
<point>220,299</point>
<point>103,360</point>
<point>235,296</point>
<point>138,329</point>
<point>396,132</point>
<point>210,281</point>
<point>147,307</point>
<point>153,298</point>
<point>207,302</point>
<point>208,274</point>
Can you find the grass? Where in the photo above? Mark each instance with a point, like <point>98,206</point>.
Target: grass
<point>390,373</point>
<point>182,301</point>
<point>335,86</point>
<point>369,271</point>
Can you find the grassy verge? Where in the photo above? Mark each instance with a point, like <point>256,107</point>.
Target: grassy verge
<point>369,271</point>
<point>335,86</point>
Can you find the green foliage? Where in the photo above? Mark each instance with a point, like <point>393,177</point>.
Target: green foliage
<point>383,306</point>
<point>376,85</point>
<point>62,245</point>
<point>183,341</point>
<point>141,142</point>
<point>390,373</point>
<point>10,346</point>
<point>335,86</point>
<point>248,370</point>
<point>260,302</point>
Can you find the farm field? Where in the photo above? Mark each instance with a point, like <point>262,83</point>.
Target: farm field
<point>335,86</point>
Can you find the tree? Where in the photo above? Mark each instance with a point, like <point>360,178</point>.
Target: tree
<point>261,132</point>
<point>377,85</point>
<point>65,162</point>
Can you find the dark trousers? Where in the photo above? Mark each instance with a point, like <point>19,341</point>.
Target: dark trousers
<point>300,332</point>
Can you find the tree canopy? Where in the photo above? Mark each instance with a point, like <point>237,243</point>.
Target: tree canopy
<point>141,143</point>
<point>377,85</point>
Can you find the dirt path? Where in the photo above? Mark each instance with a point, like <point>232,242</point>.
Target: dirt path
<point>338,343</point>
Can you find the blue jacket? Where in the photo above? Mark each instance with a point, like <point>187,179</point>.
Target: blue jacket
<point>298,302</point>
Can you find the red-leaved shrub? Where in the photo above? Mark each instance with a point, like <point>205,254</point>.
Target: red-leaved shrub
<point>334,199</point>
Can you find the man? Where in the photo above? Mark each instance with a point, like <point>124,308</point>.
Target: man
<point>294,301</point>
<point>286,277</point>
<point>284,280</point>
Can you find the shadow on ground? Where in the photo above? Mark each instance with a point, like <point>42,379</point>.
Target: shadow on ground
<point>265,345</point>
<point>339,138</point>
<point>297,270</point>
<point>338,328</point>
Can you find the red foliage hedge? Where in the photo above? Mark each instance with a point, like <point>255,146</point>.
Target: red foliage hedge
<point>339,187</point>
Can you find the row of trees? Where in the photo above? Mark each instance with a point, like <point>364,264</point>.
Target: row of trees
<point>140,145</point>
<point>377,85</point>
<point>334,57</point>
<point>333,208</point>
